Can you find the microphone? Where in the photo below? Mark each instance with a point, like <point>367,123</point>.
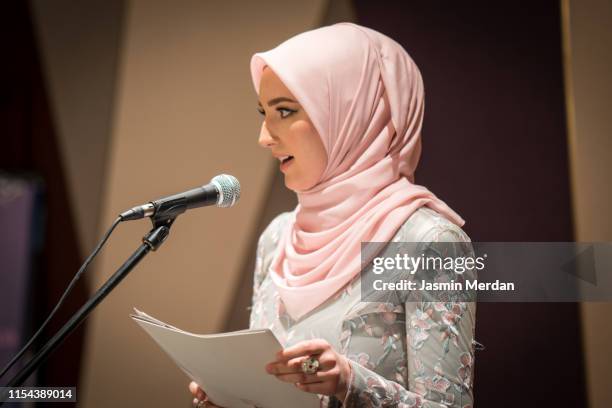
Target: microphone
<point>222,191</point>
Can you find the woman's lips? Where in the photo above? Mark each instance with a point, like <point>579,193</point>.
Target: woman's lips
<point>286,163</point>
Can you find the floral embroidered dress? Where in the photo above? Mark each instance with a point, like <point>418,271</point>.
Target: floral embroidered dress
<point>410,354</point>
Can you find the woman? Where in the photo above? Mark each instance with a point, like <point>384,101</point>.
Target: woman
<point>343,108</point>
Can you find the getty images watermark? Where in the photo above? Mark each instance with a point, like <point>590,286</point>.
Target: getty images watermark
<point>412,264</point>
<point>486,271</point>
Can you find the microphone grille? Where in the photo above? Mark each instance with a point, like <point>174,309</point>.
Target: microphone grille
<point>229,189</point>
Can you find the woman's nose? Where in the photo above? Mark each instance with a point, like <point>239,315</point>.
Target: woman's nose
<point>265,139</point>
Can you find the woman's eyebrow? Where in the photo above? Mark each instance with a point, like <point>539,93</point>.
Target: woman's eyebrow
<point>280,99</point>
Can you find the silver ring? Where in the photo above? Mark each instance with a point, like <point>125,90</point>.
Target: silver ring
<point>201,403</point>
<point>310,365</point>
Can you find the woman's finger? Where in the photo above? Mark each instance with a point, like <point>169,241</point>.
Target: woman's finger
<point>307,378</point>
<point>202,404</point>
<point>303,348</point>
<point>295,365</point>
<point>197,392</point>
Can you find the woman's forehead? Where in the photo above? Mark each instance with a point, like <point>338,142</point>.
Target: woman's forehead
<point>271,83</point>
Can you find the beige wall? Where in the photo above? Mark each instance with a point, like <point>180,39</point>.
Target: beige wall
<point>184,112</point>
<point>79,44</point>
<point>588,63</point>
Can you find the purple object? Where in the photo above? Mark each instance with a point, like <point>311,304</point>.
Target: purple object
<point>17,205</point>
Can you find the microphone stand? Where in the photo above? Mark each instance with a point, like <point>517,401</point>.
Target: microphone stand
<point>151,241</point>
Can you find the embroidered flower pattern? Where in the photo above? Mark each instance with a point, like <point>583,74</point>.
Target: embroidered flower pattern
<point>407,354</point>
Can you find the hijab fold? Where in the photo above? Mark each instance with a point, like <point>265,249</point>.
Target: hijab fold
<point>364,95</point>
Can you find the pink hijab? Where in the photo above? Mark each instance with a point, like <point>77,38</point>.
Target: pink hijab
<point>364,95</point>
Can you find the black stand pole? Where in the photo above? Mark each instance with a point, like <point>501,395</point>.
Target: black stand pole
<point>151,241</point>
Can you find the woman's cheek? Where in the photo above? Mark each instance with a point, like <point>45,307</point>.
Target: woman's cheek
<point>301,127</point>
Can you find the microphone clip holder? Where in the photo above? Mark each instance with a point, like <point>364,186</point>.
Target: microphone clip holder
<point>159,233</point>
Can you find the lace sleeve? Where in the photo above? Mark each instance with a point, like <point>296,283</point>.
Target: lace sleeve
<point>266,245</point>
<point>438,350</point>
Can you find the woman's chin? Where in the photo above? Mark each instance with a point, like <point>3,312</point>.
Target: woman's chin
<point>296,185</point>
<point>292,186</point>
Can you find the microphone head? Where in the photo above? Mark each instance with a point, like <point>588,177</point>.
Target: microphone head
<point>228,188</point>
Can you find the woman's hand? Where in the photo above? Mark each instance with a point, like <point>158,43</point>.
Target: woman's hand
<point>331,378</point>
<point>200,399</point>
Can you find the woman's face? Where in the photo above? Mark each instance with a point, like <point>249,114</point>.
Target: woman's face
<point>289,134</point>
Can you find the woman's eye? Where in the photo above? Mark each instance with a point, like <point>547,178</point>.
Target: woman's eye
<point>284,112</point>
<point>261,111</point>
